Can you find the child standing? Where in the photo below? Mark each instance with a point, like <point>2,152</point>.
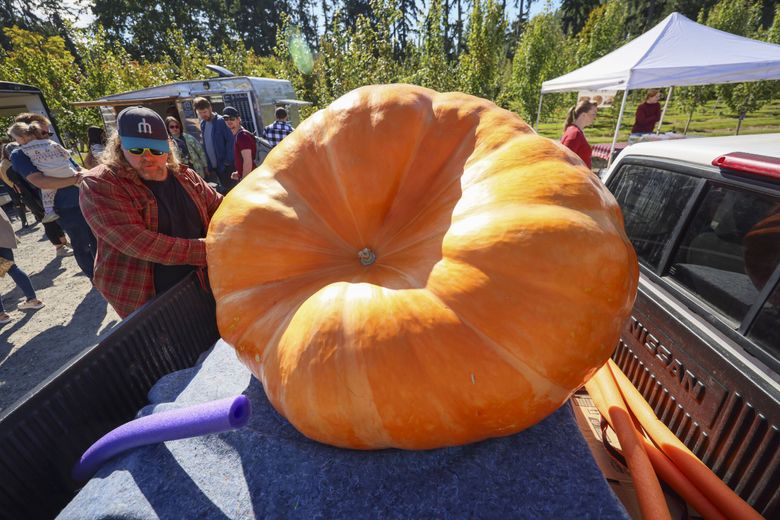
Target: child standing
<point>48,156</point>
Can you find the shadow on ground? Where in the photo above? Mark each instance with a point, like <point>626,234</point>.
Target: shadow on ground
<point>51,349</point>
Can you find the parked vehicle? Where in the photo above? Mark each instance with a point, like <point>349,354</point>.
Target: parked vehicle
<point>16,98</point>
<point>256,100</point>
<point>703,341</point>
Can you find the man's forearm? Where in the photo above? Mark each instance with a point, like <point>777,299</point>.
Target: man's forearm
<point>247,162</point>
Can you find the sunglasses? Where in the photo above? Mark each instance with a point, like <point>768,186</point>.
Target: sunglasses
<point>140,151</point>
<point>173,126</point>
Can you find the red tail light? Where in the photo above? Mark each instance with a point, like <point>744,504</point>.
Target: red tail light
<point>760,165</point>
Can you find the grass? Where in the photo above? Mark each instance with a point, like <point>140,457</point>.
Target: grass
<point>712,119</point>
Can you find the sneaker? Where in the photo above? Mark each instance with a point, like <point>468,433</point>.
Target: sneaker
<point>64,250</point>
<point>30,304</point>
<point>50,217</point>
<point>4,318</point>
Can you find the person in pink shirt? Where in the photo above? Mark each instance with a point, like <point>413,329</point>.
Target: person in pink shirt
<point>580,116</point>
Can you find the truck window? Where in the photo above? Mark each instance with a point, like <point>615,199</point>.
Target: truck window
<point>725,256</point>
<point>652,200</point>
<point>765,331</point>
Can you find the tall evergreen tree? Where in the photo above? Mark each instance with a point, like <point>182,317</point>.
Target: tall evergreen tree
<point>481,66</point>
<point>460,11</point>
<point>574,14</point>
<point>325,7</point>
<point>41,16</point>
<point>258,22</point>
<point>603,32</point>
<point>352,9</point>
<point>434,69</point>
<point>643,15</point>
<point>409,10</point>
<point>543,53</point>
<point>306,22</point>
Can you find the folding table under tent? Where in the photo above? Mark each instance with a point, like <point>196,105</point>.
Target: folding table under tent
<point>676,52</point>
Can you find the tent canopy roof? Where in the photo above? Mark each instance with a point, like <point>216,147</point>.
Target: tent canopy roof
<point>676,52</point>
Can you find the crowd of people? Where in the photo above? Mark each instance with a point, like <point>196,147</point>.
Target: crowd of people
<point>135,216</point>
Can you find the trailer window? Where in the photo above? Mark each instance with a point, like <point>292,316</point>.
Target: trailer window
<point>652,200</point>
<point>728,251</point>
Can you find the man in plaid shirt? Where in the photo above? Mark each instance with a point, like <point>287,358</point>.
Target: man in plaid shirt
<point>280,128</point>
<point>149,213</point>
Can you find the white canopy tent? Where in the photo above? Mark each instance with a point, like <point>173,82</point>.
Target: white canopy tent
<point>676,52</point>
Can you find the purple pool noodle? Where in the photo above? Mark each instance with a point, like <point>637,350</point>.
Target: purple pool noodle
<point>212,417</point>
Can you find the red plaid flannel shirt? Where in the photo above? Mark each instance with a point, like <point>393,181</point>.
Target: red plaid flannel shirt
<point>122,213</point>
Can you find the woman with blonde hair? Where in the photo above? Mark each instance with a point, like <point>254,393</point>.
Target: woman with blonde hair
<point>580,116</point>
<point>648,113</point>
<point>149,213</point>
<point>48,156</point>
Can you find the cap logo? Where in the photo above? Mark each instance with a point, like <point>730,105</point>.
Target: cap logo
<point>144,127</point>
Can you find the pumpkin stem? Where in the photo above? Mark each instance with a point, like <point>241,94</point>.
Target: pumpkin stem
<point>367,257</point>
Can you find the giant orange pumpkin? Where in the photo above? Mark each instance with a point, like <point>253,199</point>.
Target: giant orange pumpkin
<point>413,269</point>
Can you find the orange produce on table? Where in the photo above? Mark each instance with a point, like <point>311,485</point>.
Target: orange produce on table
<point>414,269</point>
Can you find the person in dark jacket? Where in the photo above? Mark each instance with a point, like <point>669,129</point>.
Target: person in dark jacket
<point>648,113</point>
<point>218,142</point>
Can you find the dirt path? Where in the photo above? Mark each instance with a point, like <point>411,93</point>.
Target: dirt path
<point>35,344</point>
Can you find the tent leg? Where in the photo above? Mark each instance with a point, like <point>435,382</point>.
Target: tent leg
<point>538,112</point>
<point>617,127</point>
<point>663,112</point>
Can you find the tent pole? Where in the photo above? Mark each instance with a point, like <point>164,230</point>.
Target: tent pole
<point>663,112</point>
<point>617,127</point>
<point>539,112</point>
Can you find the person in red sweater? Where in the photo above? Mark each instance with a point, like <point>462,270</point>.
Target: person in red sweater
<point>580,116</point>
<point>648,113</point>
<point>244,146</point>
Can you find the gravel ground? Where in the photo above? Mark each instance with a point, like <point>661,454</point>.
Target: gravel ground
<point>35,344</point>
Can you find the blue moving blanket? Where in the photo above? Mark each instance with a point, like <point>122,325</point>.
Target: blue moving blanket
<point>269,470</point>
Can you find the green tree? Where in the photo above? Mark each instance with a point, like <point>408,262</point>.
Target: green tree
<point>603,32</point>
<point>370,55</point>
<point>139,25</point>
<point>293,60</point>
<point>574,14</point>
<point>543,53</point>
<point>743,17</point>
<point>41,16</point>
<point>688,8</point>
<point>643,15</point>
<point>353,56</point>
<point>404,29</point>
<point>45,62</point>
<point>481,66</point>
<point>258,22</point>
<point>432,69</point>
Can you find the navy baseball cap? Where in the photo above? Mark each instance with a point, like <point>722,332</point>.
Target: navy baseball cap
<point>140,127</point>
<point>230,112</point>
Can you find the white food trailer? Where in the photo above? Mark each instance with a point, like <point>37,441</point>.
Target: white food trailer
<point>255,99</point>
